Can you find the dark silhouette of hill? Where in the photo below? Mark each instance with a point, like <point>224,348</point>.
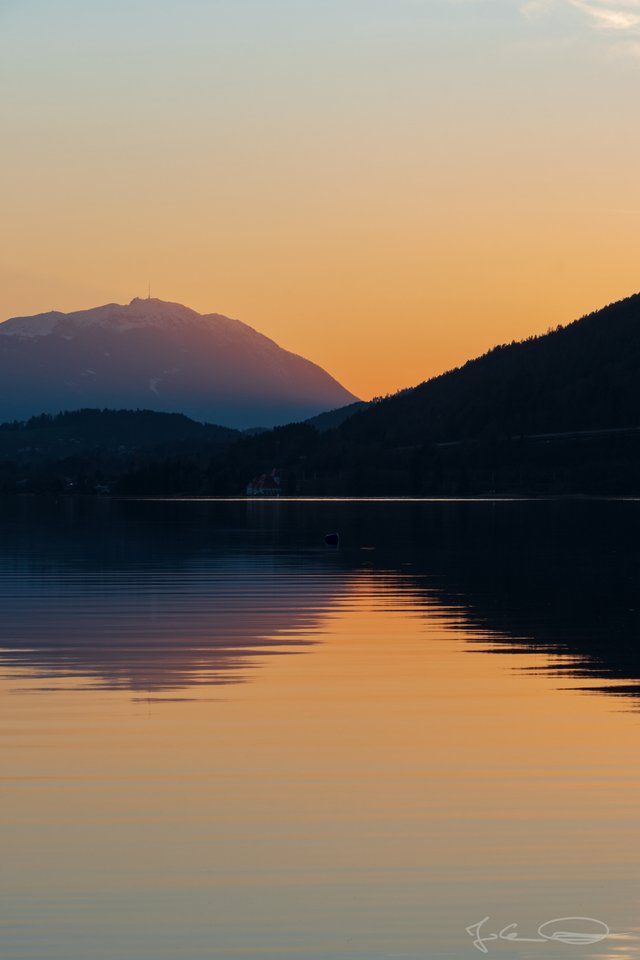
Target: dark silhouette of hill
<point>106,432</point>
<point>87,451</point>
<point>554,414</point>
<point>158,356</point>
<point>557,413</point>
<point>335,418</point>
<point>584,376</point>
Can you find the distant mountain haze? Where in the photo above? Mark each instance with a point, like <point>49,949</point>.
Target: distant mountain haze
<point>158,356</point>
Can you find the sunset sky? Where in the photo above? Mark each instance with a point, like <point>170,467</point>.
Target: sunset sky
<point>388,187</point>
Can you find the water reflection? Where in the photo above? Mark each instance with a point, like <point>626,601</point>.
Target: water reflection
<point>160,596</point>
<point>559,578</point>
<point>385,780</point>
<point>124,597</point>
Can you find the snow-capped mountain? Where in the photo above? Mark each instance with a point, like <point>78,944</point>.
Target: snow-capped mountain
<point>159,356</point>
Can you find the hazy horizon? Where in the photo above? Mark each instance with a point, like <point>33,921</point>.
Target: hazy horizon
<point>388,189</point>
<point>204,313</point>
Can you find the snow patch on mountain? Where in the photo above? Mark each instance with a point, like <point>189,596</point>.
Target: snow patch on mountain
<point>162,356</point>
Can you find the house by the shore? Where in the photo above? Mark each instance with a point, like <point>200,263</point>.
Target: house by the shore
<point>265,485</point>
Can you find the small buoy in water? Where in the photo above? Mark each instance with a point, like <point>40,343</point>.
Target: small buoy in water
<point>332,539</point>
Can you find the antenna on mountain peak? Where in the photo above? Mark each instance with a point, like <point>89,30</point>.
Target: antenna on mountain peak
<point>149,297</point>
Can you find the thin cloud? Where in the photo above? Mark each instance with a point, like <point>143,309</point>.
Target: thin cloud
<point>619,19</point>
<point>616,15</point>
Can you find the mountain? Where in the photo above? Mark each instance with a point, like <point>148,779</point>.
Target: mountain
<point>557,413</point>
<point>554,414</point>
<point>334,418</point>
<point>160,356</point>
<point>108,434</point>
<point>583,376</point>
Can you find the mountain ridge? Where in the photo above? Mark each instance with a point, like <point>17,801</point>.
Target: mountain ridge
<point>554,413</point>
<point>162,355</point>
<point>584,375</point>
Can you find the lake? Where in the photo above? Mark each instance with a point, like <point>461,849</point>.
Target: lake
<point>221,738</point>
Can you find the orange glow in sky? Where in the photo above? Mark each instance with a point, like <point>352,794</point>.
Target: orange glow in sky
<point>386,188</point>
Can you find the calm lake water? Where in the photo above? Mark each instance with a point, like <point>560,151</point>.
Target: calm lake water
<point>221,738</point>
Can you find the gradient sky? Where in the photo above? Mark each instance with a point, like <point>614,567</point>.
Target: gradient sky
<point>385,186</point>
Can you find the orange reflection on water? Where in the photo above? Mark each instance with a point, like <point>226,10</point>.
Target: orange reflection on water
<point>370,794</point>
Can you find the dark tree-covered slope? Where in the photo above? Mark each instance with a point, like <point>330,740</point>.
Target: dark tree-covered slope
<point>583,376</point>
<point>555,414</point>
<point>103,433</point>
